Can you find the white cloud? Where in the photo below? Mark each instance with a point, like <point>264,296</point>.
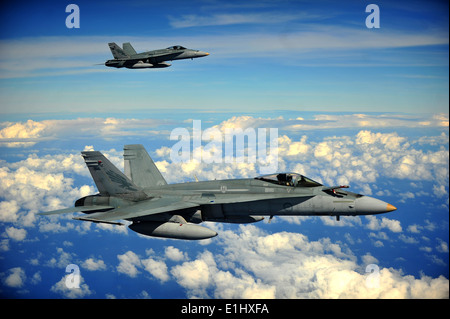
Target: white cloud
<point>320,268</point>
<point>61,260</point>
<point>175,254</point>
<point>194,275</point>
<point>26,134</point>
<point>53,227</point>
<point>39,184</point>
<point>128,264</point>
<point>368,259</point>
<point>16,278</point>
<point>359,159</point>
<point>4,245</point>
<point>36,278</point>
<point>442,246</point>
<point>117,229</point>
<point>72,293</point>
<point>8,209</point>
<point>389,140</point>
<point>36,188</point>
<point>91,264</point>
<point>187,21</point>
<point>21,134</point>
<point>16,233</point>
<point>350,221</point>
<point>408,239</point>
<point>311,38</point>
<point>157,269</point>
<point>336,121</point>
<point>391,224</point>
<point>440,191</point>
<point>414,228</point>
<point>288,265</point>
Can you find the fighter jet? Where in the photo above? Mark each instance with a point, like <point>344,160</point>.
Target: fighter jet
<point>142,196</point>
<point>128,58</point>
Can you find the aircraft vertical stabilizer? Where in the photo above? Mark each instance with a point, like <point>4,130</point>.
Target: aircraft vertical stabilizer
<point>128,49</point>
<point>108,178</point>
<point>140,168</point>
<point>117,52</point>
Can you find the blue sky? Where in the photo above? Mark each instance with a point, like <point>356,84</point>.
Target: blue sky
<point>265,55</point>
<point>359,106</point>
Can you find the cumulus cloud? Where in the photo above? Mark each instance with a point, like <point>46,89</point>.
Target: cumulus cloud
<point>156,268</point>
<point>8,210</point>
<point>72,293</point>
<point>364,158</point>
<point>254,264</point>
<point>26,134</point>
<point>305,268</point>
<point>61,259</point>
<point>377,224</point>
<point>92,264</point>
<point>21,134</point>
<point>357,160</point>
<point>128,264</point>
<point>195,275</point>
<point>175,254</point>
<point>360,160</point>
<point>37,184</point>
<point>442,246</point>
<point>338,121</point>
<point>16,278</point>
<point>40,183</point>
<point>16,233</point>
<point>289,265</point>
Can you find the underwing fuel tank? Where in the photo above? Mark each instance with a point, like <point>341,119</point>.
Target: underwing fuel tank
<point>142,65</point>
<point>172,230</point>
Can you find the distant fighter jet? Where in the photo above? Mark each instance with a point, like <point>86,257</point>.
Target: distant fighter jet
<point>128,58</point>
<point>142,196</point>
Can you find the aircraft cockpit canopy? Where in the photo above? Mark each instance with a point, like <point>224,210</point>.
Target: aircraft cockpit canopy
<point>289,179</point>
<point>176,47</point>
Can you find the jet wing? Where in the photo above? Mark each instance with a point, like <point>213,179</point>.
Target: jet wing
<point>144,208</point>
<point>75,209</point>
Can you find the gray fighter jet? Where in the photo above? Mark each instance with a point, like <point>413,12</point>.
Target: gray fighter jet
<point>155,208</point>
<point>128,58</point>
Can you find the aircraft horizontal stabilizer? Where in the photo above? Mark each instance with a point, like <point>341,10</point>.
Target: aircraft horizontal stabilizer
<point>144,208</point>
<point>97,221</point>
<point>334,187</point>
<point>76,209</point>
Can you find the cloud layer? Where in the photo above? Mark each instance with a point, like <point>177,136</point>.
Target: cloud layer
<point>243,261</point>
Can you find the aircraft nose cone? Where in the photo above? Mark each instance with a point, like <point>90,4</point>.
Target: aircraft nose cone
<point>391,208</point>
<point>201,53</point>
<point>367,205</point>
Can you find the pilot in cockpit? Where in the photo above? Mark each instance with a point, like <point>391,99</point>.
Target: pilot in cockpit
<point>285,179</point>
